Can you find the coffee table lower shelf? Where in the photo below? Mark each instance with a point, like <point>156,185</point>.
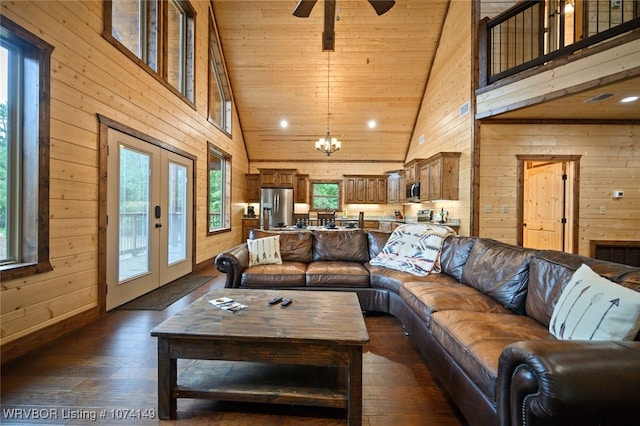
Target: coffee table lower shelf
<point>264,383</point>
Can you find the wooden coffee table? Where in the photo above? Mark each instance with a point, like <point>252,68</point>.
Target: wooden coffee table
<point>308,353</point>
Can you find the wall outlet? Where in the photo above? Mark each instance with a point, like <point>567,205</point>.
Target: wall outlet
<point>603,210</point>
<point>505,209</point>
<point>488,208</point>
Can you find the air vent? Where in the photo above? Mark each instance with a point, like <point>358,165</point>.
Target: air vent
<point>598,98</point>
<point>464,109</point>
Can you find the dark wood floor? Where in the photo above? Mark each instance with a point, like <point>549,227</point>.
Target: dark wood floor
<point>108,370</point>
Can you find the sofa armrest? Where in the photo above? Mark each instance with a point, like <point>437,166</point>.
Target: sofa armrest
<point>233,262</point>
<point>570,382</point>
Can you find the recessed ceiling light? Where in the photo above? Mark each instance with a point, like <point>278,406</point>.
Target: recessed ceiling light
<point>629,99</point>
<point>284,124</point>
<point>372,124</point>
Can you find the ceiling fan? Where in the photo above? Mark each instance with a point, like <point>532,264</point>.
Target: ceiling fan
<point>304,7</point>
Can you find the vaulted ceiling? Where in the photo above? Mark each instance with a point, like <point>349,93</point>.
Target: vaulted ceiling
<point>378,71</point>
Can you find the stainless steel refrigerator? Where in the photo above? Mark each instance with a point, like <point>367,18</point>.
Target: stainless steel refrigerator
<point>279,202</point>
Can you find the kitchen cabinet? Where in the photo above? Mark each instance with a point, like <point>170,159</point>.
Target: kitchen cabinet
<point>301,190</point>
<point>247,225</point>
<point>395,188</point>
<point>253,188</point>
<point>439,177</point>
<point>277,178</point>
<point>365,189</point>
<point>412,171</point>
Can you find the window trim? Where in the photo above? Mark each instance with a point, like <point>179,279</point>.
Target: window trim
<point>315,181</point>
<point>39,50</point>
<point>226,208</point>
<point>161,56</point>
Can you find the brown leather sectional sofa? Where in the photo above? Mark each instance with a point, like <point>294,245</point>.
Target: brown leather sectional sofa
<point>482,324</point>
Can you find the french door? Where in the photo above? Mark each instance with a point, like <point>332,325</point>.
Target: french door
<point>150,216</point>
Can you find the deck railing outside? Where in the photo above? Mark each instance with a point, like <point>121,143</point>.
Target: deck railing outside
<point>536,31</point>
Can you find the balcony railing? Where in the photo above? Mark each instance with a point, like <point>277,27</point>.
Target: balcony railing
<point>534,32</point>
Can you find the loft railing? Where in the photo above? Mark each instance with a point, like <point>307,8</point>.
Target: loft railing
<point>536,31</point>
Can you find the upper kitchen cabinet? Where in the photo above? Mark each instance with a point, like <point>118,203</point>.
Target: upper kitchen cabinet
<point>301,190</point>
<point>365,189</point>
<point>277,178</point>
<point>253,188</point>
<point>395,187</point>
<point>412,171</point>
<point>439,176</point>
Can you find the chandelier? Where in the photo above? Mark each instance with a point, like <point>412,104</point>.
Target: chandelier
<point>328,145</point>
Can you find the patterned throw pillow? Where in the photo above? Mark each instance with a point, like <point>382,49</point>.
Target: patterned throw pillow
<point>264,251</point>
<point>413,248</point>
<point>594,308</point>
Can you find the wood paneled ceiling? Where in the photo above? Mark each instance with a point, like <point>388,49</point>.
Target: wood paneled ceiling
<point>278,71</point>
<point>379,71</point>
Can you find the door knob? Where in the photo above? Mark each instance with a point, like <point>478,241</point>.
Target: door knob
<point>158,225</point>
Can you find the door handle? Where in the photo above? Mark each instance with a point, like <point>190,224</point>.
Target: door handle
<point>158,212</point>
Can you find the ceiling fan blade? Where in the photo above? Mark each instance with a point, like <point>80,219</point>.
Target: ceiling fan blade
<point>303,9</point>
<point>382,6</point>
<point>329,35</point>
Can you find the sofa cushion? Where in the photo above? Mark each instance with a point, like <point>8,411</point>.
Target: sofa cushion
<point>454,255</point>
<point>443,292</point>
<point>264,251</point>
<point>295,246</point>
<point>344,246</point>
<point>499,270</point>
<point>550,272</point>
<point>337,274</point>
<point>377,240</point>
<point>390,279</point>
<point>594,308</point>
<point>476,340</point>
<point>288,274</point>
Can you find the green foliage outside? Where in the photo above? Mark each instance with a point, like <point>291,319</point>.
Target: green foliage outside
<point>215,199</point>
<point>3,168</point>
<point>325,196</point>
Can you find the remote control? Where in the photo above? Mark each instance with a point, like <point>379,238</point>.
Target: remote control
<point>275,300</point>
<point>287,301</point>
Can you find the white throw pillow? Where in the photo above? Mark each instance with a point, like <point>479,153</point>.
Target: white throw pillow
<point>264,251</point>
<point>594,308</point>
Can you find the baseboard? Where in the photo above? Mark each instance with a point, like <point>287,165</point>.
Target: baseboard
<point>16,348</point>
<point>199,267</point>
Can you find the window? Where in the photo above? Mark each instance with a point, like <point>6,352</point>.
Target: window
<point>325,195</point>
<point>219,92</point>
<point>24,151</point>
<point>219,185</point>
<point>159,35</point>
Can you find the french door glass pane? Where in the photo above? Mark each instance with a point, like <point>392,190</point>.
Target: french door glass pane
<point>134,213</point>
<point>177,247</point>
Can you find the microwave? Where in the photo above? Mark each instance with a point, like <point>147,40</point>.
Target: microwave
<point>413,191</point>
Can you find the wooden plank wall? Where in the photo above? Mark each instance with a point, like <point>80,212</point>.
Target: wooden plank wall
<point>90,77</point>
<point>609,161</point>
<point>444,129</point>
